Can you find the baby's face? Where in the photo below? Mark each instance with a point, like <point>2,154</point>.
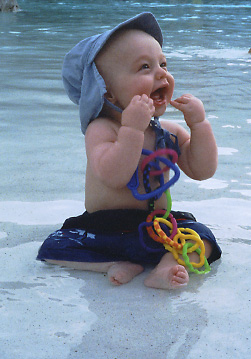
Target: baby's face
<point>135,65</point>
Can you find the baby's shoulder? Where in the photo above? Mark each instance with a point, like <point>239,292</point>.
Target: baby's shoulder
<point>102,128</point>
<point>176,129</point>
<point>170,126</point>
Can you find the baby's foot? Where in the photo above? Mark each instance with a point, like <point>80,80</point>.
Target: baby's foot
<point>168,277</point>
<point>123,272</point>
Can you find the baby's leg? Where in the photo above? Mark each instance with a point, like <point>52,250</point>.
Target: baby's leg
<point>118,272</point>
<point>122,272</point>
<point>169,274</point>
<point>101,267</point>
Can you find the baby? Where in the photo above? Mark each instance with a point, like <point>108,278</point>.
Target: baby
<point>120,81</point>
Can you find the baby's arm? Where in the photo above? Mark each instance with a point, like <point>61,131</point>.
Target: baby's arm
<point>199,155</point>
<point>114,151</point>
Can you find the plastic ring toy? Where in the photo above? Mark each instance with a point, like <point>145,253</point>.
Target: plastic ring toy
<point>153,155</point>
<point>162,234</point>
<point>134,182</point>
<point>191,266</point>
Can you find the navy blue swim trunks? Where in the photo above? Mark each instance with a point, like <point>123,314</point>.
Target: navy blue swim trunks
<point>109,236</point>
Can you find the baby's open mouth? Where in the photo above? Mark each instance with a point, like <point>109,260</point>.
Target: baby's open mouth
<point>159,96</point>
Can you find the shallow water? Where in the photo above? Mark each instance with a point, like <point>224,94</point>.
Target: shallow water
<point>207,49</point>
<point>42,182</point>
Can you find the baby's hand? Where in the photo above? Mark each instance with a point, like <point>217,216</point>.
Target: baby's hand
<point>138,113</point>
<point>191,107</point>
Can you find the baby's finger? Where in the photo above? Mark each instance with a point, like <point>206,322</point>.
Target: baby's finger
<point>145,98</point>
<point>187,95</point>
<point>150,102</point>
<point>182,99</point>
<point>176,104</point>
<point>186,98</point>
<point>136,98</point>
<point>152,109</point>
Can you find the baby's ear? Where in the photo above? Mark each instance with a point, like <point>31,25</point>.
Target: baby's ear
<point>110,97</point>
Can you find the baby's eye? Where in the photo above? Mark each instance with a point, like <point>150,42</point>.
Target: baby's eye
<point>163,64</point>
<point>145,66</point>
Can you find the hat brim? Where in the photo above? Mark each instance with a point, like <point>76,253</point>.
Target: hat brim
<point>144,21</point>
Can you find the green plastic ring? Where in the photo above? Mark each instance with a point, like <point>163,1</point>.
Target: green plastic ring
<point>189,265</point>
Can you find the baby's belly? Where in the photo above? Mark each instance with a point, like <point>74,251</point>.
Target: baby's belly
<point>118,199</point>
<point>98,196</point>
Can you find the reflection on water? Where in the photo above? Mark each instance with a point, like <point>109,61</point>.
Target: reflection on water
<point>207,49</point>
<point>42,160</point>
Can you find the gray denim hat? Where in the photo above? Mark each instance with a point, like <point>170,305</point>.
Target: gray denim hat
<point>82,81</point>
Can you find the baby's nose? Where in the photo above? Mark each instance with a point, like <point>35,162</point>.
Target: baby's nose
<point>163,73</point>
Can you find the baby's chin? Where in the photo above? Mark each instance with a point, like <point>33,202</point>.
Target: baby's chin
<point>159,111</point>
